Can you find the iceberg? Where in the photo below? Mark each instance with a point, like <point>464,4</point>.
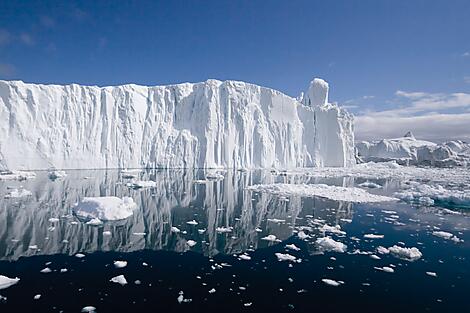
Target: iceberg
<point>104,208</point>
<point>408,150</point>
<point>212,124</point>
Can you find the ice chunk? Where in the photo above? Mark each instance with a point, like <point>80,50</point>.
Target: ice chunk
<point>385,269</point>
<point>56,174</point>
<point>350,194</point>
<point>373,236</point>
<point>120,264</point>
<point>327,244</point>
<point>446,235</point>
<point>89,309</point>
<point>6,282</point>
<point>119,280</point>
<point>18,193</point>
<point>191,243</point>
<point>285,257</point>
<point>330,282</point>
<point>142,184</point>
<point>105,208</point>
<point>408,254</point>
<point>16,175</point>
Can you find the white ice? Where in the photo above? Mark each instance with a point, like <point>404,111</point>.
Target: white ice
<point>105,208</point>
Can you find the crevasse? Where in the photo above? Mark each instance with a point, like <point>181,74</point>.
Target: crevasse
<point>211,124</point>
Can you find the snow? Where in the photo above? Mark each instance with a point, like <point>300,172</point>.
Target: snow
<point>350,194</point>
<point>120,264</point>
<point>212,124</point>
<point>18,193</point>
<point>6,282</point>
<point>105,208</point>
<point>119,280</point>
<point>327,244</point>
<point>408,254</point>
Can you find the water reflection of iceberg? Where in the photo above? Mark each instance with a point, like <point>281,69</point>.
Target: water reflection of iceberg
<point>175,200</point>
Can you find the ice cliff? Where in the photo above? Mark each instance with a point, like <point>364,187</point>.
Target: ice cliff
<point>211,124</point>
<point>408,150</point>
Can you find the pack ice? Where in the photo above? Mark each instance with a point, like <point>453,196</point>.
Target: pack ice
<point>212,124</point>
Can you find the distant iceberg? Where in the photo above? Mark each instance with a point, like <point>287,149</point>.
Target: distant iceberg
<point>408,150</point>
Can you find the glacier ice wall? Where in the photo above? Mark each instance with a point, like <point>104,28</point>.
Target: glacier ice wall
<point>211,124</point>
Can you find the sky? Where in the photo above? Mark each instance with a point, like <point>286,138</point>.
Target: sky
<point>396,65</point>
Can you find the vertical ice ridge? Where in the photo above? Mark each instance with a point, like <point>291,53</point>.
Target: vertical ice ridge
<point>211,124</point>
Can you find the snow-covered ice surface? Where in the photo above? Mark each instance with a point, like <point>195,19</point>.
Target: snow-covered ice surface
<point>351,194</point>
<point>259,251</point>
<point>211,124</point>
<point>104,208</point>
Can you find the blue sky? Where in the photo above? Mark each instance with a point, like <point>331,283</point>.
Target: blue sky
<point>405,63</point>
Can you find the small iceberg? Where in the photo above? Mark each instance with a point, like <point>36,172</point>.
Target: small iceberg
<point>6,282</point>
<point>105,208</point>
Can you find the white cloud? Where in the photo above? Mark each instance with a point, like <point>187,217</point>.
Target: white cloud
<point>432,116</point>
<point>27,39</point>
<point>466,54</point>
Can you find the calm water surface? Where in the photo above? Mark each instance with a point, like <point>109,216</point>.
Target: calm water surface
<point>211,275</point>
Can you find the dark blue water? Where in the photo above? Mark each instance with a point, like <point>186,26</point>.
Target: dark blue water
<point>211,276</point>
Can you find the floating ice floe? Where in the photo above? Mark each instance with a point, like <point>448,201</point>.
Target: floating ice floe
<point>224,229</point>
<point>271,238</point>
<point>56,174</point>
<point>53,220</point>
<point>37,297</point>
<point>373,236</point>
<point>292,247</point>
<point>191,243</point>
<point>142,184</point>
<point>94,222</point>
<point>385,269</point>
<point>105,208</point>
<point>327,244</point>
<point>285,257</point>
<point>46,270</point>
<point>331,282</point>
<point>175,229</point>
<point>446,235</point>
<point>214,176</point>
<point>350,194</point>
<point>120,279</point>
<point>193,222</point>
<point>6,282</point>
<point>88,309</point>
<point>18,193</point>
<point>244,256</point>
<point>332,229</point>
<point>424,194</point>
<point>408,254</point>
<point>16,175</point>
<point>79,255</point>
<point>433,274</point>
<point>120,264</point>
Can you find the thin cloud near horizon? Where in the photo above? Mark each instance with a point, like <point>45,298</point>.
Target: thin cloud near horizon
<point>430,116</point>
